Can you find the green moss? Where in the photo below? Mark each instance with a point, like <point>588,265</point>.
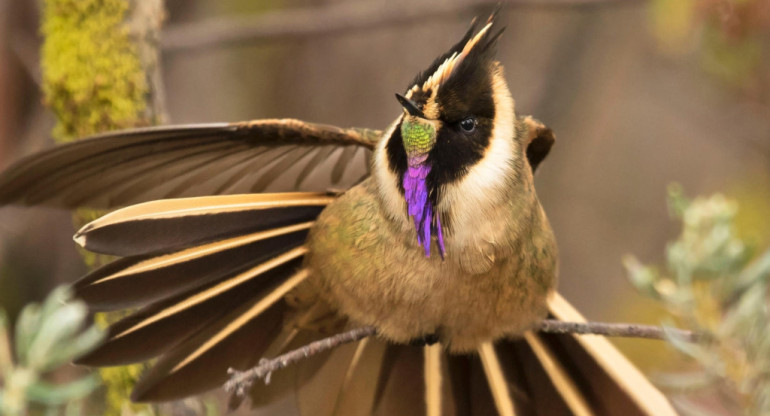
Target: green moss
<point>120,381</point>
<point>93,81</point>
<point>92,78</point>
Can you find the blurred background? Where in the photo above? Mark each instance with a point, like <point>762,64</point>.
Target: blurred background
<point>640,94</point>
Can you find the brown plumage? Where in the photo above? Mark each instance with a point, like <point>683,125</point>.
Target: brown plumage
<point>221,280</point>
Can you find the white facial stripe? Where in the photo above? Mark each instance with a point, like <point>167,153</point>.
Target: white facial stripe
<point>387,181</point>
<point>481,189</point>
<point>477,197</point>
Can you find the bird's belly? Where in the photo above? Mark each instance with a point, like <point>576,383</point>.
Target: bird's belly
<point>378,276</point>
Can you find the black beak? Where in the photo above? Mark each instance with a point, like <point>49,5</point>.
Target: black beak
<point>409,106</point>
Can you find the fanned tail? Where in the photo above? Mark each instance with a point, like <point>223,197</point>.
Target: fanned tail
<point>373,377</point>
<point>205,278</point>
<point>534,375</point>
<point>607,380</point>
<point>550,374</point>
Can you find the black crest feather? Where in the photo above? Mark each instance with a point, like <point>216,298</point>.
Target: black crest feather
<point>481,55</point>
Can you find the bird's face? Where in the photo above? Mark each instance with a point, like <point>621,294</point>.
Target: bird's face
<point>454,145</point>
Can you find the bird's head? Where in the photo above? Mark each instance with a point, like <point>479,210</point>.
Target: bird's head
<point>454,144</point>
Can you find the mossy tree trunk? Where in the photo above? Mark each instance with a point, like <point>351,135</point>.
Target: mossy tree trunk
<point>100,69</point>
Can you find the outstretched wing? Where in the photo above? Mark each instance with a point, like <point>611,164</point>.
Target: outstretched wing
<point>132,166</point>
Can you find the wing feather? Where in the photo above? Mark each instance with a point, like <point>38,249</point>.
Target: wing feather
<point>132,166</point>
<point>342,162</point>
<point>310,166</point>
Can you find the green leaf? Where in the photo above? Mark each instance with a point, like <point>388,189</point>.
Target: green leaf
<point>59,394</point>
<point>26,328</point>
<point>695,380</point>
<point>677,202</point>
<point>684,345</point>
<point>757,271</point>
<point>6,359</point>
<point>55,331</point>
<point>73,348</point>
<point>687,407</point>
<point>642,277</point>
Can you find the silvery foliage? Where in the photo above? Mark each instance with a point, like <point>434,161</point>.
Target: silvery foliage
<point>47,336</point>
<point>714,283</point>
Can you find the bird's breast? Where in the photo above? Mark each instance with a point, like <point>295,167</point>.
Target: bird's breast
<point>372,270</point>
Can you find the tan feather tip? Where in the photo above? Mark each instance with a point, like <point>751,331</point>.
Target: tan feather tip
<point>80,237</point>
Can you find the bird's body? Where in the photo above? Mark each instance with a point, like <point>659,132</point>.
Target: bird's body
<point>445,241</point>
<point>496,260</point>
<point>492,282</point>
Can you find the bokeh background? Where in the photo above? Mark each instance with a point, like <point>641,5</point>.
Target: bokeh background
<point>640,94</point>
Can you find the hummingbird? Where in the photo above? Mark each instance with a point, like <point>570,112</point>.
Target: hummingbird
<point>443,247</point>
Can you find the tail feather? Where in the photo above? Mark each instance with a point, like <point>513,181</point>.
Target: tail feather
<point>448,385</point>
<point>535,375</point>
<point>207,300</point>
<point>402,388</point>
<point>209,276</point>
<point>497,382</point>
<point>236,340</point>
<point>170,225</point>
<point>533,392</point>
<point>473,395</point>
<point>284,382</point>
<point>138,280</point>
<point>370,377</point>
<point>610,383</point>
<point>560,380</point>
<point>377,378</point>
<point>320,379</point>
<point>435,378</point>
<point>157,327</point>
<point>359,387</point>
<point>457,386</point>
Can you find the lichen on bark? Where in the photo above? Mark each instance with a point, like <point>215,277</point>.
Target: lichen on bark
<point>93,79</point>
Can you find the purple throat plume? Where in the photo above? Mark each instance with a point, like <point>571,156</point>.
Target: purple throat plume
<point>419,206</point>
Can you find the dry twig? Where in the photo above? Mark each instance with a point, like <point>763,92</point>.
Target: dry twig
<point>241,381</point>
<point>553,326</point>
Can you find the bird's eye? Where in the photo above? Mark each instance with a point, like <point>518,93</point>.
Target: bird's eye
<point>469,124</point>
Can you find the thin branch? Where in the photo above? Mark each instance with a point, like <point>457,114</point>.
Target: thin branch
<point>553,326</point>
<point>240,381</point>
<point>335,19</point>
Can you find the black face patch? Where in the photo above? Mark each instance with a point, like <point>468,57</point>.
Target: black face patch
<point>465,93</point>
<point>456,149</point>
